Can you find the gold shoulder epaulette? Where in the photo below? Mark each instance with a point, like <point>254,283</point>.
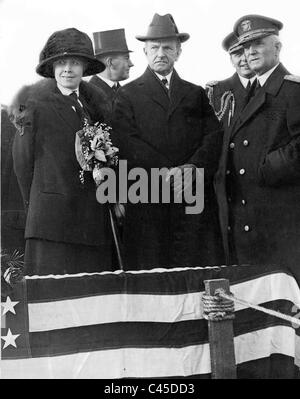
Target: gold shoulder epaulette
<point>292,78</point>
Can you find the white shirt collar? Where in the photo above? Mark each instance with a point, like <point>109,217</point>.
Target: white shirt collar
<point>65,91</point>
<point>168,77</point>
<point>245,81</point>
<point>264,77</point>
<point>110,83</point>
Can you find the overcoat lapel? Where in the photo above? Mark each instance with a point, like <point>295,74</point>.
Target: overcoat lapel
<point>154,89</point>
<point>178,90</point>
<point>251,108</point>
<point>240,94</point>
<point>271,87</point>
<point>64,109</point>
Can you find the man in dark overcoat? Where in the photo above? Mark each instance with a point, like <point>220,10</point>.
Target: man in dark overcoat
<point>263,165</point>
<point>228,98</point>
<point>162,121</point>
<point>111,49</point>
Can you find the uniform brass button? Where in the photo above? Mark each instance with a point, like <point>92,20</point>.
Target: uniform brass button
<point>227,172</point>
<point>246,143</point>
<point>228,228</point>
<point>247,228</point>
<point>244,202</point>
<point>242,171</point>
<point>232,145</point>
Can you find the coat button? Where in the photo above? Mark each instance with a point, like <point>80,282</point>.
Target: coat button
<point>228,228</point>
<point>242,171</point>
<point>227,172</point>
<point>245,143</point>
<point>246,228</point>
<point>232,145</point>
<point>244,202</point>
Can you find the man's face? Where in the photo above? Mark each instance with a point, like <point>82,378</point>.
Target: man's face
<point>162,54</point>
<point>68,72</point>
<point>240,64</point>
<point>262,54</point>
<point>120,66</point>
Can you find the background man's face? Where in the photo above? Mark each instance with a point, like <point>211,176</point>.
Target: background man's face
<point>121,65</point>
<point>240,64</point>
<point>68,72</point>
<point>262,54</point>
<point>162,54</point>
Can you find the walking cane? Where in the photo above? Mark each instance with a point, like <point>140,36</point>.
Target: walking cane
<point>116,235</point>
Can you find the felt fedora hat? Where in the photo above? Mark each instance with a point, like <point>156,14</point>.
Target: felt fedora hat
<point>68,43</point>
<point>231,43</point>
<point>251,27</point>
<point>163,27</point>
<point>110,41</point>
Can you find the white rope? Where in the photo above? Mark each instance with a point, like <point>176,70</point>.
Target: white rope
<point>293,320</point>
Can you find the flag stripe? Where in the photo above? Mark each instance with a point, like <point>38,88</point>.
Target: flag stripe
<point>45,316</point>
<point>154,282</point>
<point>151,362</point>
<point>142,334</point>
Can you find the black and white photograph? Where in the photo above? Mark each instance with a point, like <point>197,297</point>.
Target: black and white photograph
<point>150,192</point>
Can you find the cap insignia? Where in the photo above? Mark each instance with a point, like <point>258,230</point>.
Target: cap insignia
<point>246,26</point>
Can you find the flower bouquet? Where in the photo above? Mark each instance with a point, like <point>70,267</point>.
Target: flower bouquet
<point>94,150</point>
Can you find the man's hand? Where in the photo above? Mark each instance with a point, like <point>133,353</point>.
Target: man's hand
<point>183,177</point>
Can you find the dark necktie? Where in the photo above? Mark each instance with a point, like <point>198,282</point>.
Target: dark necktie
<point>116,87</point>
<point>248,86</point>
<point>164,81</point>
<point>253,89</point>
<point>79,107</point>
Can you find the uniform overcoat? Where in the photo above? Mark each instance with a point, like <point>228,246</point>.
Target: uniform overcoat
<point>159,129</point>
<point>261,173</point>
<point>59,207</point>
<point>228,98</point>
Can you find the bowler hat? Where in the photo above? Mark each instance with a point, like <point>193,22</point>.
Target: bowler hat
<point>110,41</point>
<point>68,43</point>
<point>163,27</point>
<point>251,27</point>
<point>231,43</point>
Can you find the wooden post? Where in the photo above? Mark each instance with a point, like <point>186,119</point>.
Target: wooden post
<point>221,338</point>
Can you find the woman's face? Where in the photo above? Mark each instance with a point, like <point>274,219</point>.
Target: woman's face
<point>68,72</point>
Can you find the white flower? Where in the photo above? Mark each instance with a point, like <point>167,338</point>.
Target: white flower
<point>96,141</point>
<point>97,175</point>
<point>99,154</point>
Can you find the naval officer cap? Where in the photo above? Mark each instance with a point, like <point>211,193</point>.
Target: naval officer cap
<point>231,43</point>
<point>251,27</point>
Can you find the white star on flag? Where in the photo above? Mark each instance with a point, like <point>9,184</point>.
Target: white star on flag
<point>10,339</point>
<point>9,306</point>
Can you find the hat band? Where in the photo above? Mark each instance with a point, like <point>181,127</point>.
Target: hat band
<point>235,48</point>
<point>161,31</point>
<point>249,35</point>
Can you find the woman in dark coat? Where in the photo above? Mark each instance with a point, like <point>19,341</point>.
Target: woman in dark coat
<point>67,231</point>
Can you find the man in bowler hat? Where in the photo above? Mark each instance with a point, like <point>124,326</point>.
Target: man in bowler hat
<point>162,121</point>
<point>228,98</point>
<point>262,169</point>
<point>111,49</point>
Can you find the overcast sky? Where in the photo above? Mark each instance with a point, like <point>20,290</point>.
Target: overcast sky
<point>25,25</point>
